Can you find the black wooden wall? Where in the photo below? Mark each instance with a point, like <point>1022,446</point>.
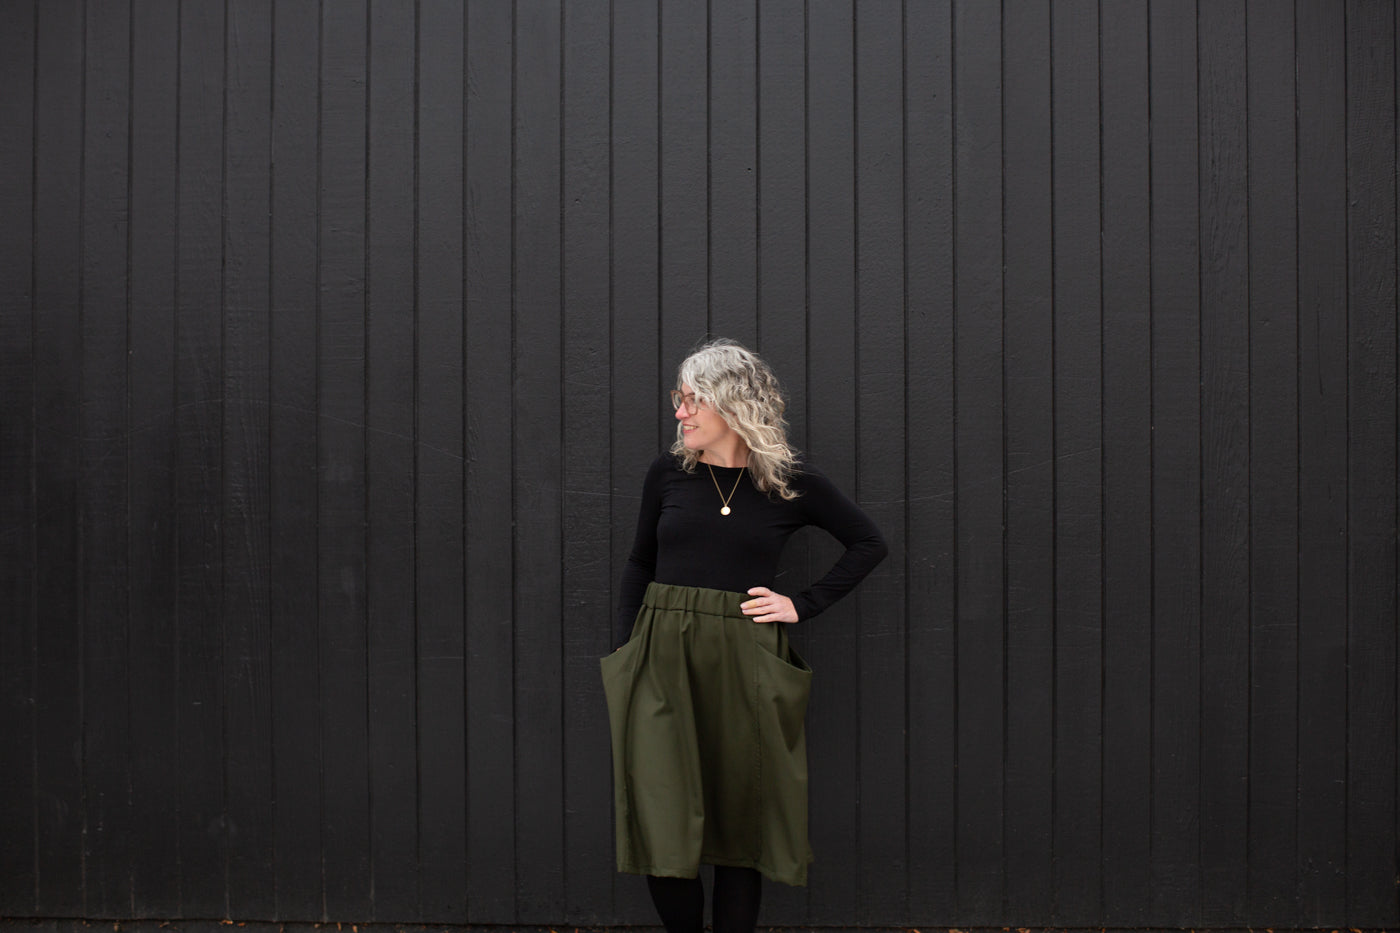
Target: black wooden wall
<point>333,339</point>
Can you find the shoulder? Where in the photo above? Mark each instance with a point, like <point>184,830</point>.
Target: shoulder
<point>665,461</point>
<point>810,481</point>
<point>664,465</point>
<point>805,473</point>
<point>802,464</point>
<point>800,476</point>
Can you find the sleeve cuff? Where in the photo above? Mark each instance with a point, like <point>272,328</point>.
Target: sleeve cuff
<point>804,606</point>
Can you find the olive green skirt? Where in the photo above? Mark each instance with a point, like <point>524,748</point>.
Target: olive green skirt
<point>709,754</point>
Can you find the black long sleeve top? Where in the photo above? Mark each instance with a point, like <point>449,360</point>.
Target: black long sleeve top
<point>683,539</point>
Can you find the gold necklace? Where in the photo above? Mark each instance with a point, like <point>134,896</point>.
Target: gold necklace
<point>724,510</point>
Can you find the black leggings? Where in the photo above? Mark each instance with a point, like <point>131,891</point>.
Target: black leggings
<point>681,901</point>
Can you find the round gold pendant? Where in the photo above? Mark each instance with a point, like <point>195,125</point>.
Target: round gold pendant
<point>724,511</point>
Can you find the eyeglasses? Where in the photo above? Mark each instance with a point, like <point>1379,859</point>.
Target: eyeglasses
<point>691,403</point>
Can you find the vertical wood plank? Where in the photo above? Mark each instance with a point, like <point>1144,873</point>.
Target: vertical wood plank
<point>781,316</point>
<point>980,467</point>
<point>292,468</point>
<point>490,514</point>
<point>390,600</point>
<point>1078,456</point>
<point>1176,572</point>
<point>732,137</point>
<point>640,423</point>
<point>1322,461</point>
<point>199,418</point>
<point>448,619</point>
<point>781,191</point>
<point>1273,466</point>
<point>58,361</point>
<point>1397,425</point>
<point>1225,462</point>
<point>151,448</point>
<point>932,568</point>
<point>684,184</point>
<point>587,617</point>
<point>1127,463</point>
<point>340,389</point>
<point>880,429</point>
<point>1030,474</point>
<point>1371,845</point>
<point>833,742</point>
<point>18,546</point>
<point>537,431</point>
<point>103,517</point>
<point>247,568</point>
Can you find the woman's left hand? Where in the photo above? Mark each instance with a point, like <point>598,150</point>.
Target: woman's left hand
<point>769,606</point>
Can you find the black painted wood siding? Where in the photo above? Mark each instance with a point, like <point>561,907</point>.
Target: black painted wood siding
<point>333,339</point>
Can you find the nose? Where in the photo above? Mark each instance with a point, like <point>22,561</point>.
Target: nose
<point>681,412</point>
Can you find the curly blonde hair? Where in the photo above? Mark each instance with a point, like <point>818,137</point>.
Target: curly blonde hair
<point>740,387</point>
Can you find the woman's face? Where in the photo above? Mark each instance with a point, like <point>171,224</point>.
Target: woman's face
<point>701,425</point>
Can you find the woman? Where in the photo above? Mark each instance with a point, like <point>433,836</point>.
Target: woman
<point>706,698</point>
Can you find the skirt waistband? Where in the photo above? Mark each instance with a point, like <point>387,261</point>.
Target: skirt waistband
<point>695,599</point>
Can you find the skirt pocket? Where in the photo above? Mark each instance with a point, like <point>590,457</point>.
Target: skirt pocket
<point>784,687</point>
<point>771,639</point>
<point>617,670</point>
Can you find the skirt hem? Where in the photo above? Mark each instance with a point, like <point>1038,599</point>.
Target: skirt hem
<point>796,881</point>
